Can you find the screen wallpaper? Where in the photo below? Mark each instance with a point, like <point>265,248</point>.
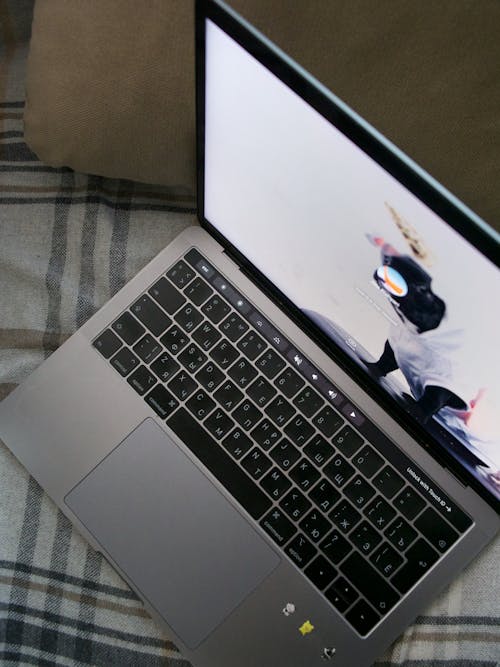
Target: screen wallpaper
<point>412,302</point>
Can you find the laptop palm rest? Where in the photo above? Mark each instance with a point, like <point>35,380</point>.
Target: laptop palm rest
<point>191,554</point>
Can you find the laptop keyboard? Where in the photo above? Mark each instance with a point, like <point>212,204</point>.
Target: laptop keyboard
<point>358,517</point>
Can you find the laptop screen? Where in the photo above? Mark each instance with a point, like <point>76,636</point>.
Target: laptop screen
<point>390,283</point>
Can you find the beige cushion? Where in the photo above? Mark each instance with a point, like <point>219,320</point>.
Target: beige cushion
<point>110,84</point>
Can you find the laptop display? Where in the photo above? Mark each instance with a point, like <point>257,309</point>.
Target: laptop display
<point>381,274</point>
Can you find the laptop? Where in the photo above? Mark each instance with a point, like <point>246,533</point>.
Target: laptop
<point>283,432</point>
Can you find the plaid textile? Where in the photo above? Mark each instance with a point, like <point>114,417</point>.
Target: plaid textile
<point>67,243</point>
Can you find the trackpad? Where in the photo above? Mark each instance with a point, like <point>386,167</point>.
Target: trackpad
<point>164,523</point>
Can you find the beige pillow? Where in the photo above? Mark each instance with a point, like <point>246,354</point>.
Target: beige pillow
<point>110,85</point>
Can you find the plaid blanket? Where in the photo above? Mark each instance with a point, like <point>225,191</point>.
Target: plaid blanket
<point>68,242</point>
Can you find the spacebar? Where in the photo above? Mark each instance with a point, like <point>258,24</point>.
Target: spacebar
<point>209,452</point>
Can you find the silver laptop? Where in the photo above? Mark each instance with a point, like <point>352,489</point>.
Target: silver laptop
<point>283,433</point>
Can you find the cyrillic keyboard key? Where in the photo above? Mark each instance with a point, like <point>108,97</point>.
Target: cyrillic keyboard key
<point>147,349</point>
<point>335,547</point>
<point>386,559</point>
<point>347,441</point>
<point>229,474</point>
<point>367,461</point>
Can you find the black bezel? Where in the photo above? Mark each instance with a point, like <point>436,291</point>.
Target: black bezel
<point>485,239</point>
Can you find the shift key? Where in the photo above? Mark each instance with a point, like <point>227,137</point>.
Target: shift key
<point>369,582</point>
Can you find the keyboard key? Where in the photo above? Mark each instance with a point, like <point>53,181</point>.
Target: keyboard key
<point>180,274</point>
<point>256,463</point>
<point>388,482</point>
<point>409,503</point>
<point>285,454</point>
<point>300,550</point>
<point>386,559</point>
<point>338,471</point>
<point>150,315</point>
<point>367,461</point>
<point>124,361</point>
<point>335,597</point>
<point>319,450</point>
<point>344,516</point>
<point>247,415</point>
<point>379,512</point>
<point>192,358</point>
<point>335,547</point>
<point>266,434</point>
<point>320,572</point>
<point>141,380</point>
<point>237,443</point>
<point>315,526</point>
<point>278,526</point>
<point>147,349</point>
<point>107,343</point>
<point>345,590</point>
<point>261,392</point>
<point>400,533</point>
<point>188,317</point>
<point>206,335</point>
<point>228,395</point>
<point>440,534</point>
<point>220,464</point>
<point>280,411</point>
<point>289,382</point>
<point>365,537</point>
<point>233,327</point>
<point>270,364</point>
<point>252,345</point>
<point>165,367</point>
<point>362,617</point>
<point>275,483</point>
<point>216,309</point>
<point>198,291</point>
<point>162,401</point>
<point>210,376</point>
<point>359,491</point>
<point>347,441</point>
<point>174,339</point>
<point>128,328</point>
<point>219,424</point>
<point>420,558</point>
<point>200,404</point>
<point>304,474</point>
<point>328,421</point>
<point>295,504</point>
<point>369,582</point>
<point>169,298</point>
<point>242,372</point>
<point>324,495</point>
<point>308,402</point>
<point>182,385</point>
<point>224,354</point>
<point>299,430</point>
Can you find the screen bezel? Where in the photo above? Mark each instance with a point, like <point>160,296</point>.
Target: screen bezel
<point>388,156</point>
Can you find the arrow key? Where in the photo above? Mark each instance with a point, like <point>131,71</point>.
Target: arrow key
<point>362,617</point>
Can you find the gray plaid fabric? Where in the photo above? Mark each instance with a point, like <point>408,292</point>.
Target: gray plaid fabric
<point>67,243</point>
